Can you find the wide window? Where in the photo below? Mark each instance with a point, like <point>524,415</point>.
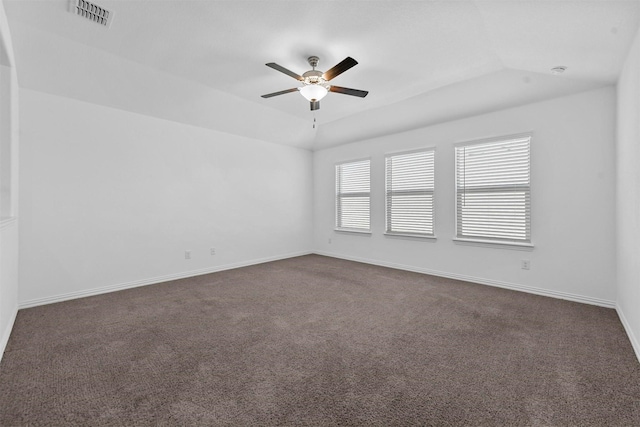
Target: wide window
<point>409,195</point>
<point>493,195</point>
<point>353,195</point>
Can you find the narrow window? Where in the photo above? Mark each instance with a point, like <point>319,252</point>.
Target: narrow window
<point>493,194</point>
<point>353,195</point>
<point>409,195</point>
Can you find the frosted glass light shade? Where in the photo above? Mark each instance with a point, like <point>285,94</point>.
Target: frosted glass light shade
<point>313,92</point>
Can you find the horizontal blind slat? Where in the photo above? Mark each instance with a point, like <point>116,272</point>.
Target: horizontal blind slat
<point>353,182</point>
<point>410,179</point>
<point>493,190</point>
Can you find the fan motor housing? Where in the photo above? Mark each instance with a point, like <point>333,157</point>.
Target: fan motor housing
<point>313,73</point>
<point>314,77</point>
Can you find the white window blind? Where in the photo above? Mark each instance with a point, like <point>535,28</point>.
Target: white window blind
<point>353,195</point>
<point>493,194</point>
<point>409,195</point>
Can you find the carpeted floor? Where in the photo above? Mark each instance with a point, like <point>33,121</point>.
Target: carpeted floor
<point>319,341</point>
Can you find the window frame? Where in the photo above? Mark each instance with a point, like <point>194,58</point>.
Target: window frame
<point>338,197</point>
<point>388,192</point>
<point>490,241</point>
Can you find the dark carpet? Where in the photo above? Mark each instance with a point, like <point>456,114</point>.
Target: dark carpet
<point>319,341</point>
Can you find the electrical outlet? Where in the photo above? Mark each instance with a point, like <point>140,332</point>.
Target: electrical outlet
<point>213,251</point>
<point>526,264</point>
<point>187,254</point>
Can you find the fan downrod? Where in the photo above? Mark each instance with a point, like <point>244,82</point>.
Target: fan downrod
<point>313,61</point>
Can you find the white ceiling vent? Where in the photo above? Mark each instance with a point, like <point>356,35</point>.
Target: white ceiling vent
<point>91,11</point>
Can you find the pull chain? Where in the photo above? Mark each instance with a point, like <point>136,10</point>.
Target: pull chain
<point>314,122</point>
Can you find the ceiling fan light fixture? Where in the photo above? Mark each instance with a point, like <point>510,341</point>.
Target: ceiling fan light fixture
<point>313,92</point>
<point>315,84</point>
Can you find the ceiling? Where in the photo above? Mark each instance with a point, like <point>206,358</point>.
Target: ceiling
<point>423,62</point>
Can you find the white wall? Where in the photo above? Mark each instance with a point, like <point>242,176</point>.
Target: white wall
<point>8,279</point>
<point>51,63</point>
<point>8,184</point>
<point>628,195</point>
<point>573,178</point>
<point>111,199</point>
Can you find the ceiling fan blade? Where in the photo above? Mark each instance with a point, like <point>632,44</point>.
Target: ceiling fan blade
<point>347,63</point>
<point>282,92</point>
<point>315,105</point>
<point>348,91</point>
<point>284,70</point>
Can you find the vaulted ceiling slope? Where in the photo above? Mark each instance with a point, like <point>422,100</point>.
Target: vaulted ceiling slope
<point>424,62</point>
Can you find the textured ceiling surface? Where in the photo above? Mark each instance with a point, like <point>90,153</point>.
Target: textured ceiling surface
<point>202,62</point>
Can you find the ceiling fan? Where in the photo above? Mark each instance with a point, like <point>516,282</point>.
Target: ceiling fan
<point>315,83</point>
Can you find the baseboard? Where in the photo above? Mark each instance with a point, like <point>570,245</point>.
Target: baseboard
<point>627,327</point>
<point>153,280</point>
<point>537,291</point>
<point>482,281</point>
<point>4,339</point>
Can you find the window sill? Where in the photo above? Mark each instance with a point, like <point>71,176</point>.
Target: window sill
<point>493,244</point>
<point>353,231</point>
<point>411,236</point>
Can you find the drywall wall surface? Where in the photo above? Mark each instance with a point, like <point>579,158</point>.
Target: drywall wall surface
<point>628,194</point>
<point>9,183</point>
<point>113,198</point>
<point>572,193</point>
<point>8,280</point>
<point>104,78</point>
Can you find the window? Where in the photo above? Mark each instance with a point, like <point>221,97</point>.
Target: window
<point>353,195</point>
<point>409,195</point>
<point>493,197</point>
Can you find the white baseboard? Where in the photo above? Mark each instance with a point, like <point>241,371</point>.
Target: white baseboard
<point>153,280</point>
<point>627,327</point>
<point>482,281</point>
<point>537,291</point>
<point>4,339</point>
